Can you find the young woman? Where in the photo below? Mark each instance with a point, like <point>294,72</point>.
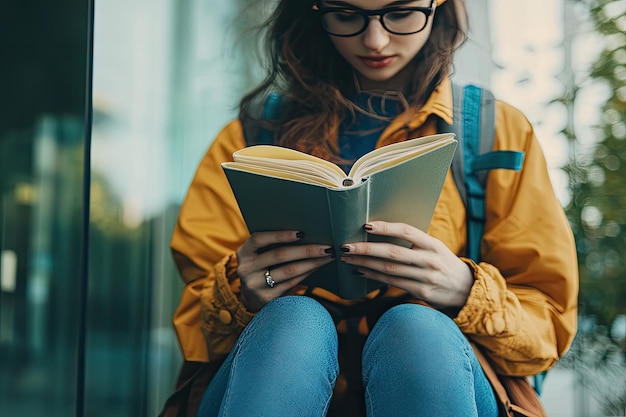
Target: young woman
<point>355,75</point>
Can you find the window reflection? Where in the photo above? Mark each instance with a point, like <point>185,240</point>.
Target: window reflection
<point>165,81</point>
<point>40,216</point>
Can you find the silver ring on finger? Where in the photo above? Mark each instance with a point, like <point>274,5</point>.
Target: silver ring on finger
<point>269,280</point>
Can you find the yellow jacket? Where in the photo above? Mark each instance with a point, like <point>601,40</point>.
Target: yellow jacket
<point>523,304</point>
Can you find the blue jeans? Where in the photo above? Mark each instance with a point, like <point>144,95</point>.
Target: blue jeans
<point>415,362</point>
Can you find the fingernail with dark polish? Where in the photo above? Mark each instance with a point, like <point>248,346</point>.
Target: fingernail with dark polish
<point>346,248</point>
<point>368,226</point>
<point>300,235</point>
<point>330,250</point>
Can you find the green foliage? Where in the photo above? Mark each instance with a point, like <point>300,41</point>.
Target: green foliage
<point>597,213</point>
<point>598,208</point>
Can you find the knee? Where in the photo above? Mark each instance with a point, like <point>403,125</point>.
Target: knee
<point>414,323</point>
<point>298,310</point>
<point>300,318</point>
<point>415,340</point>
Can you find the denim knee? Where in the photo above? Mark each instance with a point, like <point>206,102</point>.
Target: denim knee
<point>301,327</point>
<point>417,322</point>
<point>413,336</point>
<point>284,363</point>
<point>417,357</point>
<point>298,313</point>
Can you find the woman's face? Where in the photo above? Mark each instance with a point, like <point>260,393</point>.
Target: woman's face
<point>381,58</point>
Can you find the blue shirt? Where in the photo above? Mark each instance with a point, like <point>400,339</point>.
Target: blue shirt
<point>358,135</point>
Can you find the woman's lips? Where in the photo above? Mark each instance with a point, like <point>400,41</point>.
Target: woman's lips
<point>376,61</point>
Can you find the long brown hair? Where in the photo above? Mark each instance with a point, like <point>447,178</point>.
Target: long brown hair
<point>306,69</point>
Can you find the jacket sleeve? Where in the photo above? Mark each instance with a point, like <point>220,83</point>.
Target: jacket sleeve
<point>522,308</point>
<point>209,230</point>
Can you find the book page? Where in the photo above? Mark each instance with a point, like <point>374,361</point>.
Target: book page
<point>301,176</point>
<point>396,153</point>
<point>289,158</point>
<point>309,168</point>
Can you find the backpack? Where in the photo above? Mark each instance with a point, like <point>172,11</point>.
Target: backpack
<point>474,126</point>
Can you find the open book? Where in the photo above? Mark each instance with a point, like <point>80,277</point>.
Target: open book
<point>282,189</point>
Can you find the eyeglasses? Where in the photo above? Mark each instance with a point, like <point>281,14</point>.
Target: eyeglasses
<point>345,22</point>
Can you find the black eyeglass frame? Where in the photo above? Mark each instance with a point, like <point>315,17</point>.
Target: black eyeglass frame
<point>428,11</point>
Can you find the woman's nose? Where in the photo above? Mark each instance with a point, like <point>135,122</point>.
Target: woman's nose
<point>375,37</point>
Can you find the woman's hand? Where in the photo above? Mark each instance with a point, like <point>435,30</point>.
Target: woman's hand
<point>427,270</point>
<point>287,265</point>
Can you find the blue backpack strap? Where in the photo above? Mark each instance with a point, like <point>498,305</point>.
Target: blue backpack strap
<point>474,125</point>
<point>254,133</point>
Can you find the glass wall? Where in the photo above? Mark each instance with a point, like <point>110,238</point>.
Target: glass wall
<point>165,81</point>
<point>43,70</point>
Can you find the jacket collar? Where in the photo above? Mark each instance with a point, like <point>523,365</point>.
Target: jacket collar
<point>440,102</point>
